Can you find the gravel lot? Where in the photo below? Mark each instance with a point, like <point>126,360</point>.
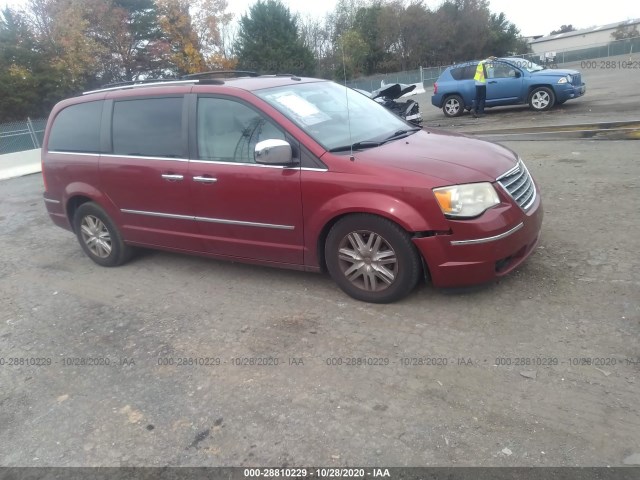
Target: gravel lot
<point>542,368</point>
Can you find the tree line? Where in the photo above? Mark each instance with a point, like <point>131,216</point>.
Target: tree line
<point>52,49</point>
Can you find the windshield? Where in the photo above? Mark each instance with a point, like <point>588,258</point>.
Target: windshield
<point>320,109</point>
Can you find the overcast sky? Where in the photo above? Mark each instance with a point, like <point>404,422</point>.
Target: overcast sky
<point>534,17</point>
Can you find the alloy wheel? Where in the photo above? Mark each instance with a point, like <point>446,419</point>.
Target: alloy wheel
<point>540,100</point>
<point>96,236</point>
<point>367,260</point>
<point>452,106</point>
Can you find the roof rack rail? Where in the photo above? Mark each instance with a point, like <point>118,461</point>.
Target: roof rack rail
<point>214,73</point>
<point>139,83</point>
<point>292,75</point>
<point>200,77</point>
<point>128,83</point>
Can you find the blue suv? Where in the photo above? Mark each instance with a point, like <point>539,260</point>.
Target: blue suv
<point>510,81</point>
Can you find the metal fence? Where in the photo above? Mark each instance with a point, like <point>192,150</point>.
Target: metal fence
<point>428,76</point>
<point>612,49</point>
<point>20,136</point>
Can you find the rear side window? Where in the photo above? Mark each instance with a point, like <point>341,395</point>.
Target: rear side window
<point>469,72</point>
<point>77,129</point>
<point>464,73</point>
<point>150,127</point>
<point>457,72</point>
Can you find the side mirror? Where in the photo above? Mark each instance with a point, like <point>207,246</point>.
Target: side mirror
<point>273,152</point>
<point>518,74</point>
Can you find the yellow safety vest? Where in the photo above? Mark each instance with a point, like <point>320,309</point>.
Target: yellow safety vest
<point>479,76</point>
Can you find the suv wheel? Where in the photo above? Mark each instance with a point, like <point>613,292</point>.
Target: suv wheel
<point>453,106</point>
<point>98,236</point>
<point>542,98</point>
<point>372,259</point>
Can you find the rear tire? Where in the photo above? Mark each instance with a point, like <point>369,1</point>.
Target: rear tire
<point>372,259</point>
<point>99,237</point>
<point>453,106</point>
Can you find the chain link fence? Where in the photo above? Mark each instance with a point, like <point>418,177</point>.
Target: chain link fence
<point>428,76</point>
<point>20,136</point>
<point>612,49</point>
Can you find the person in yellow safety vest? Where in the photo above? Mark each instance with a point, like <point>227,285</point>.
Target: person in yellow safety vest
<point>480,79</point>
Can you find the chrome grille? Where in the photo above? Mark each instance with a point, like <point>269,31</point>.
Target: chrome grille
<point>518,183</point>
<point>576,79</point>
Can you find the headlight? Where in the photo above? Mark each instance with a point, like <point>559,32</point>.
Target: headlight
<point>565,79</point>
<point>465,201</point>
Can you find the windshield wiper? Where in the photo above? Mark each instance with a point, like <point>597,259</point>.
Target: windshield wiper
<point>356,146</point>
<point>401,134</point>
<point>373,143</point>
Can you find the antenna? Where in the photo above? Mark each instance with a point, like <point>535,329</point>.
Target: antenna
<point>346,96</point>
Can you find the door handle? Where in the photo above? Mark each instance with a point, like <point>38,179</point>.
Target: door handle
<point>493,81</point>
<point>201,179</point>
<point>172,177</point>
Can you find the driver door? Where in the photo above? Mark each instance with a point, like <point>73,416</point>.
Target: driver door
<point>504,84</point>
<point>243,209</point>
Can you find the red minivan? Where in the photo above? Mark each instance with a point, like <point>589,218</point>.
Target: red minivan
<point>290,172</point>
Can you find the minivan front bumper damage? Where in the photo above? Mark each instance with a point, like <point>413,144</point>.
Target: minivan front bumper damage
<point>481,250</point>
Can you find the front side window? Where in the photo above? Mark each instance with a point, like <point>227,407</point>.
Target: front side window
<point>77,129</point>
<point>150,127</point>
<point>332,114</point>
<point>503,70</point>
<point>228,131</point>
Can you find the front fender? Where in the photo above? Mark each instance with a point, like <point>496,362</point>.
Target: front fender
<point>387,206</point>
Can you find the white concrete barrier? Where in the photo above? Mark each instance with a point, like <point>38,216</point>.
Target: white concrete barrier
<point>20,163</point>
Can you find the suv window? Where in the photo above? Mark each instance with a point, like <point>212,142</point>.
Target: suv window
<point>503,70</point>
<point>228,131</point>
<point>457,72</point>
<point>464,73</point>
<point>151,127</point>
<point>469,71</point>
<point>77,128</point>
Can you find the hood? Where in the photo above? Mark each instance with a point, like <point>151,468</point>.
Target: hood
<point>450,157</point>
<point>393,91</point>
<point>554,72</point>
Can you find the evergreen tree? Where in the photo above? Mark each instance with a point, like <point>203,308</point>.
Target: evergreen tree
<point>269,41</point>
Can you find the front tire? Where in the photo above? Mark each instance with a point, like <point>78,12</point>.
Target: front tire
<point>453,106</point>
<point>372,259</point>
<point>99,237</point>
<point>541,99</point>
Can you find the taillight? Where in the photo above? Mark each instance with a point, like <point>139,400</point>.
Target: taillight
<point>435,88</point>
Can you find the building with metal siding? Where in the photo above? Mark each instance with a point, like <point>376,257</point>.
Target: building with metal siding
<point>587,37</point>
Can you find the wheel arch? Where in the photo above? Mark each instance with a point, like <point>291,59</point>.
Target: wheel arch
<point>78,193</point>
<point>405,216</point>
<point>72,206</point>
<point>451,94</point>
<point>538,85</point>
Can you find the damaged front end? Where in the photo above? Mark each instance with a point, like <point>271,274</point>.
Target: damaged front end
<point>388,95</point>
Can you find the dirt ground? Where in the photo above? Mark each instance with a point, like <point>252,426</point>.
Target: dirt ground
<point>221,364</point>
